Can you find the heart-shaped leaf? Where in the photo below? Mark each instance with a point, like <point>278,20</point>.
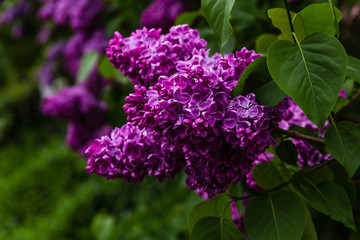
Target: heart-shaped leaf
<point>319,18</point>
<point>215,228</point>
<point>343,142</point>
<point>354,68</point>
<point>311,72</point>
<point>275,217</point>
<point>217,207</point>
<point>256,79</point>
<point>331,199</point>
<point>217,14</point>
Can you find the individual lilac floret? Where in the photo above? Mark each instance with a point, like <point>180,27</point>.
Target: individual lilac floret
<point>131,153</point>
<point>146,54</point>
<point>161,13</point>
<point>75,104</point>
<point>79,14</point>
<point>20,9</point>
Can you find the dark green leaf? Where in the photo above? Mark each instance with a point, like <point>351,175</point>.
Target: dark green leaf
<point>319,18</point>
<point>266,175</point>
<point>340,103</point>
<point>343,142</point>
<point>275,217</point>
<point>279,19</point>
<point>287,152</point>
<point>256,79</point>
<point>215,228</point>
<point>210,208</point>
<point>310,72</point>
<point>334,17</point>
<point>317,175</point>
<point>331,199</point>
<point>263,42</point>
<point>348,187</point>
<point>354,68</point>
<point>187,18</point>
<point>88,63</point>
<point>310,231</point>
<point>217,14</point>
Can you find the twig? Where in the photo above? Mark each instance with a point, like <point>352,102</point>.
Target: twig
<point>296,134</point>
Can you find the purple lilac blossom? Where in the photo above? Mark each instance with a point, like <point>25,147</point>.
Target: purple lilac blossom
<point>78,14</point>
<point>20,9</point>
<point>146,54</point>
<point>308,156</point>
<point>131,153</point>
<point>161,13</point>
<point>46,71</point>
<point>75,104</point>
<point>80,44</point>
<point>80,136</point>
<point>189,108</point>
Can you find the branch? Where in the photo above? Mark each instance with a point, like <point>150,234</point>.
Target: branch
<point>295,134</point>
<point>352,99</point>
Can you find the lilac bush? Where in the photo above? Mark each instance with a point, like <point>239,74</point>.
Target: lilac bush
<point>184,100</point>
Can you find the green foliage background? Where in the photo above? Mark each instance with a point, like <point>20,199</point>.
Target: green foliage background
<point>45,191</point>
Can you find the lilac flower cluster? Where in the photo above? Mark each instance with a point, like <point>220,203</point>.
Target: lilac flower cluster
<point>131,153</point>
<point>79,104</point>
<point>161,13</point>
<point>83,110</point>
<point>79,14</point>
<point>146,54</point>
<point>188,109</point>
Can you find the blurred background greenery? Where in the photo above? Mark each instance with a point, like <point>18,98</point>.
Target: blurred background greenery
<point>45,191</point>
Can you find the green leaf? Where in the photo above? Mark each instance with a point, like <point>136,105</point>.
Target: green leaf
<point>187,18</point>
<point>354,68</point>
<point>87,65</point>
<point>331,199</point>
<point>310,231</point>
<point>348,187</point>
<point>310,72</point>
<point>287,152</point>
<point>256,79</point>
<point>275,217</point>
<point>340,103</point>
<point>217,207</point>
<point>317,175</point>
<point>106,69</point>
<point>343,142</point>
<point>334,17</point>
<point>266,175</point>
<point>215,228</point>
<point>319,18</point>
<point>263,42</point>
<point>217,14</point>
<point>279,19</point>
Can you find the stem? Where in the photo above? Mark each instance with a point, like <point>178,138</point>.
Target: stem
<point>296,134</point>
<point>289,18</point>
